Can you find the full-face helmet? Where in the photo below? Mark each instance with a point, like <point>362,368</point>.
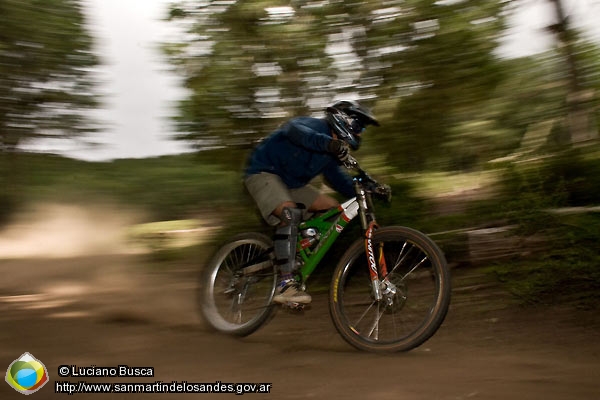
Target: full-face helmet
<point>348,119</point>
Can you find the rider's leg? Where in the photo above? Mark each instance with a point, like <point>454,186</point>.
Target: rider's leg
<point>285,241</point>
<point>272,196</point>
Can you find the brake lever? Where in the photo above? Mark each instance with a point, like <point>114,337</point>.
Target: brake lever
<point>351,163</point>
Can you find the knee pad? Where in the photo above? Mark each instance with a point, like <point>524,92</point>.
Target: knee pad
<point>291,216</point>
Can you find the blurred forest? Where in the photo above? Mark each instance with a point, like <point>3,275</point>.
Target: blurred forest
<point>468,140</point>
<point>428,68</point>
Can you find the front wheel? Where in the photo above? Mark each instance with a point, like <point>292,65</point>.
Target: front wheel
<point>238,284</point>
<point>415,292</point>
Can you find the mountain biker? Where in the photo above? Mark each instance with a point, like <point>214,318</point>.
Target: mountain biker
<point>279,171</point>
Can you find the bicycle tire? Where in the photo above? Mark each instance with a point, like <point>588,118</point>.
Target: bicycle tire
<point>421,277</point>
<point>232,301</point>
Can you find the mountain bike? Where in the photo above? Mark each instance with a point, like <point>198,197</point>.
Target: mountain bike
<point>390,290</point>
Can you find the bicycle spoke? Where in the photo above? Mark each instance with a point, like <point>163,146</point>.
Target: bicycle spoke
<point>414,268</point>
<point>364,314</point>
<point>236,310</point>
<point>398,260</point>
<point>375,327</point>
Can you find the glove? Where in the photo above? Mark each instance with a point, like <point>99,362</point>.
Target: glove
<point>380,190</point>
<point>339,149</point>
<point>384,191</point>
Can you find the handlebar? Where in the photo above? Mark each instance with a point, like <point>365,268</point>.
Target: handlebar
<point>370,184</point>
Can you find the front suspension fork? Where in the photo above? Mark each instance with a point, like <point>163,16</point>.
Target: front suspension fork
<point>376,262</point>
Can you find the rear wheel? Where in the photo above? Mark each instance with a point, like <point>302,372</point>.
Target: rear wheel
<point>415,293</point>
<point>238,284</point>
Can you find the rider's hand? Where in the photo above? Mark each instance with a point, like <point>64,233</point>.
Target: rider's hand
<point>384,191</point>
<point>339,149</point>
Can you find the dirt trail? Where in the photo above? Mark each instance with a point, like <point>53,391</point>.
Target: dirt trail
<point>110,310</point>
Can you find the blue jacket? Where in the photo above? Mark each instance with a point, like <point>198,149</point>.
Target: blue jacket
<point>297,152</point>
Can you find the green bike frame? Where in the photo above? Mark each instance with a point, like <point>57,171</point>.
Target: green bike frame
<point>330,225</point>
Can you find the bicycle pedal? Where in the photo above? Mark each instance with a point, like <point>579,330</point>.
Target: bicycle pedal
<point>294,306</point>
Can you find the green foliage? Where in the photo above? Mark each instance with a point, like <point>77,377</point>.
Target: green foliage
<point>253,64</point>
<point>405,209</point>
<point>249,66</point>
<point>577,175</point>
<point>8,206</point>
<point>524,201</point>
<point>45,64</point>
<point>565,179</point>
<point>533,197</point>
<point>46,88</point>
<point>170,187</point>
<point>430,69</point>
<point>569,272</point>
<point>440,80</point>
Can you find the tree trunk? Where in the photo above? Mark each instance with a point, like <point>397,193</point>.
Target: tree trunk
<point>579,121</point>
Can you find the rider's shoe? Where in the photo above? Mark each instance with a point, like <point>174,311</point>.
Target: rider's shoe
<point>288,291</point>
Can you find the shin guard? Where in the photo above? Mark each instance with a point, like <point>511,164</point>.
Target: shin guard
<point>285,240</point>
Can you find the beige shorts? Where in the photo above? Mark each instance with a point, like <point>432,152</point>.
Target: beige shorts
<point>269,192</point>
